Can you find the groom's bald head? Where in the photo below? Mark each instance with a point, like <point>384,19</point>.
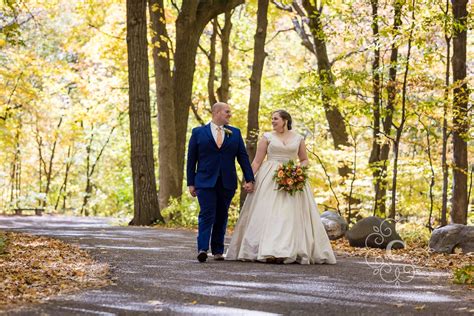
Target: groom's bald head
<point>221,113</point>
<point>216,107</point>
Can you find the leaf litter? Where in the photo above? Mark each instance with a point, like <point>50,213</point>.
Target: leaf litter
<point>418,255</point>
<point>33,268</point>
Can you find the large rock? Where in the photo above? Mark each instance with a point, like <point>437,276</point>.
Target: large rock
<point>335,225</point>
<point>446,239</point>
<point>374,232</point>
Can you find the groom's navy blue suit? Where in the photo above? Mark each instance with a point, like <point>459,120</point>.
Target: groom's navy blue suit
<point>211,170</point>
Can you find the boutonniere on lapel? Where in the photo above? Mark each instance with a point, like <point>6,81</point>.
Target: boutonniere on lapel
<point>227,132</point>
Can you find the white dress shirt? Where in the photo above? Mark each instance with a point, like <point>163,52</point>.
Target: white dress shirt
<point>214,131</point>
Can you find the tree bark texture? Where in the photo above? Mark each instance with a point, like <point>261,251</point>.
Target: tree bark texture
<point>460,114</point>
<point>444,156</point>
<point>400,127</point>
<point>212,65</point>
<point>223,92</point>
<point>256,83</point>
<point>379,163</point>
<point>192,18</point>
<point>334,117</point>
<point>376,88</point>
<point>168,169</point>
<point>146,206</point>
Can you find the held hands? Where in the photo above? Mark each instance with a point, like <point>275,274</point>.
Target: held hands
<point>249,187</point>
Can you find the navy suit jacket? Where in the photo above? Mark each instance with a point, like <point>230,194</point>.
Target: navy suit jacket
<point>206,161</point>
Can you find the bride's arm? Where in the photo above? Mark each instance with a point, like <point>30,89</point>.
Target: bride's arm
<point>260,154</point>
<point>302,154</point>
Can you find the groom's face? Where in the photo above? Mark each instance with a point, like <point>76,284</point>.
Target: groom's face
<point>224,115</point>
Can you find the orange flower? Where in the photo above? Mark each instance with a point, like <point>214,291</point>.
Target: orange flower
<point>281,173</point>
<point>299,171</point>
<point>290,182</point>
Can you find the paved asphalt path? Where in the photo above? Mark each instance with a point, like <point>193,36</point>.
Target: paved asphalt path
<point>156,272</point>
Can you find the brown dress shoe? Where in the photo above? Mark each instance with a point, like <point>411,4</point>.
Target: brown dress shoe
<point>218,257</point>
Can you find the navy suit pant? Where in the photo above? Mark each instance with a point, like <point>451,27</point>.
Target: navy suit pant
<point>212,221</point>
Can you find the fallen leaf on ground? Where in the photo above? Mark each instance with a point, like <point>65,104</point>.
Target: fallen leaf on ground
<point>412,254</point>
<point>35,267</point>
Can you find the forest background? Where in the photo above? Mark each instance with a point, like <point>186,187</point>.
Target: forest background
<point>368,83</point>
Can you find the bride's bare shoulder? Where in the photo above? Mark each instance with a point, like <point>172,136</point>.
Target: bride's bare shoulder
<point>267,135</point>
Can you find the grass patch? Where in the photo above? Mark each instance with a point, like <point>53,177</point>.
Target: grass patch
<point>414,235</point>
<point>464,275</point>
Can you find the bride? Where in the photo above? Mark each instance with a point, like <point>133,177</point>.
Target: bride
<point>275,226</point>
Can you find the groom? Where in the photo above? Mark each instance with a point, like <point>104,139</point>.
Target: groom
<point>213,148</point>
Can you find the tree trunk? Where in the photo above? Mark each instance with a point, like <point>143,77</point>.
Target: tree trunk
<point>192,19</point>
<point>212,65</point>
<point>255,83</point>
<point>167,155</point>
<point>63,189</point>
<point>432,180</point>
<point>39,141</point>
<point>337,125</point>
<point>49,170</point>
<point>380,162</point>
<point>374,159</point>
<point>460,113</point>
<point>223,91</point>
<point>87,195</point>
<point>256,78</point>
<point>399,129</point>
<point>16,169</point>
<point>87,190</point>
<point>146,206</point>
<point>91,169</point>
<point>444,163</point>
<point>188,31</point>
<point>224,35</point>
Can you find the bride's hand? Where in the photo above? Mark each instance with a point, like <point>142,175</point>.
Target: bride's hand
<point>249,187</point>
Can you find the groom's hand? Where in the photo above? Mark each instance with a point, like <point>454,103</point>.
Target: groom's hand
<point>192,190</point>
<point>249,187</point>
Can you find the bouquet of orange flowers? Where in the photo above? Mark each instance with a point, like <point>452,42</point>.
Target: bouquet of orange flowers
<point>290,177</point>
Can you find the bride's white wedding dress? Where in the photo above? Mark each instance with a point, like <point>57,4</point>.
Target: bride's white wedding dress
<point>276,224</point>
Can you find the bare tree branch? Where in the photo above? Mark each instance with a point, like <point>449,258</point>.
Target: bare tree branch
<point>278,32</point>
<point>175,6</point>
<point>328,178</point>
<point>105,33</point>
<point>349,54</point>
<point>281,6</point>
<point>205,52</point>
<point>196,115</point>
<point>305,40</point>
